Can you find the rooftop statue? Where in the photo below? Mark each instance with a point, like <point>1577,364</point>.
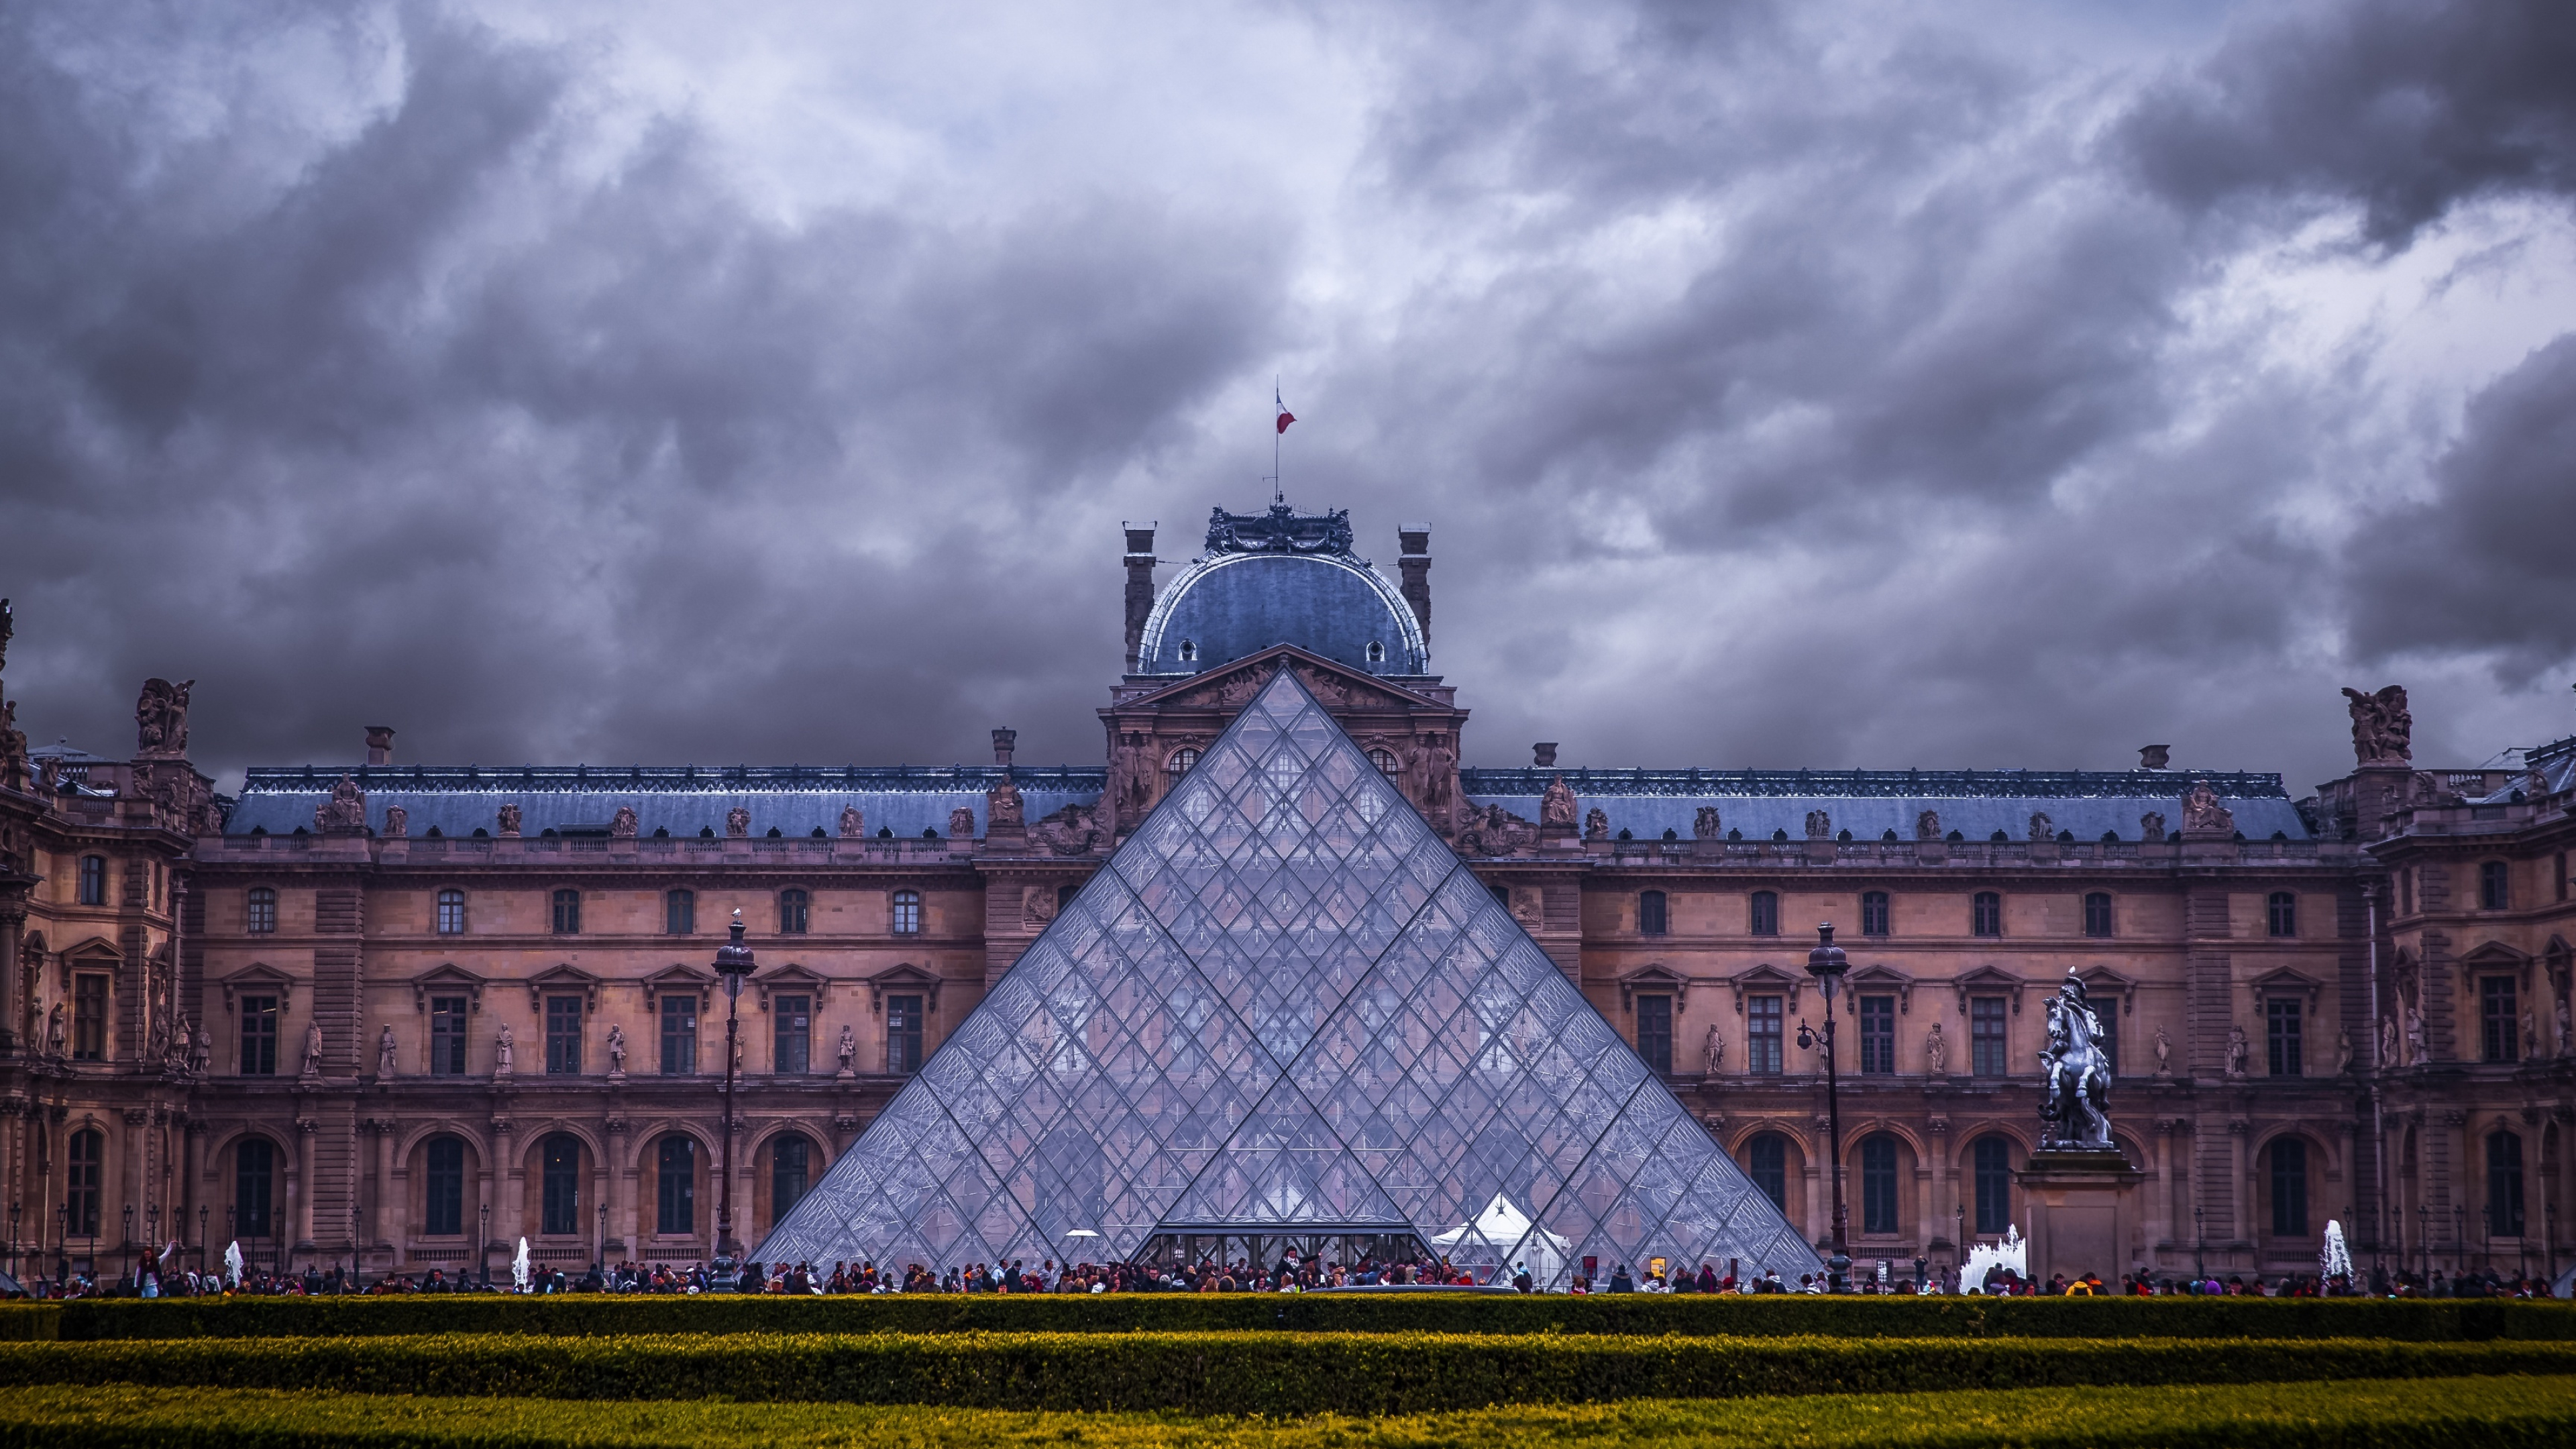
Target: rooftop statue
<point>161,718</point>
<point>1281,530</point>
<point>2383,733</point>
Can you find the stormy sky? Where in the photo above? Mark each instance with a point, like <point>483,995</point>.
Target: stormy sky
<point>1828,383</point>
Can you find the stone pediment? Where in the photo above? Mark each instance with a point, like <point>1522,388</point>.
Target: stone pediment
<point>261,978</point>
<point>563,979</point>
<point>1231,686</point>
<point>2103,981</point>
<point>2287,981</point>
<point>446,978</point>
<point>1883,977</point>
<point>792,977</point>
<point>906,978</point>
<point>1987,979</point>
<point>1657,979</point>
<point>676,980</point>
<point>1767,977</point>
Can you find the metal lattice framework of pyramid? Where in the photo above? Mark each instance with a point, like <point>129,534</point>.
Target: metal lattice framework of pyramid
<point>1284,1003</point>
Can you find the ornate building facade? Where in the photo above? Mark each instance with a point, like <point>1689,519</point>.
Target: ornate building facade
<point>402,1015</point>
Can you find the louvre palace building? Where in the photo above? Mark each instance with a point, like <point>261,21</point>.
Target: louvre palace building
<point>397,1015</point>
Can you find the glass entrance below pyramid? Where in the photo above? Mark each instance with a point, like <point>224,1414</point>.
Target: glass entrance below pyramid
<point>1268,1247</point>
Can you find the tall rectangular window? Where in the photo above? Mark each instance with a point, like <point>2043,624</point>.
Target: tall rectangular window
<point>1873,913</point>
<point>2106,1010</point>
<point>89,1018</point>
<point>567,920</point>
<point>2499,1025</point>
<point>260,915</point>
<point>1655,1032</point>
<point>1762,1035</point>
<point>903,1034</point>
<point>451,913</point>
<point>1877,1035</point>
<point>254,1187</point>
<point>86,1162</point>
<point>2289,1188</point>
<point>447,1036</point>
<point>791,1169</point>
<point>2504,1184</point>
<point>1993,1158</point>
<point>563,1036</point>
<point>1768,1165</point>
<point>1986,1036</point>
<point>2281,913</point>
<point>443,1193</point>
<point>1766,913</point>
<point>259,1036</point>
<point>2097,914</point>
<point>679,1034</point>
<point>93,880</point>
<point>793,1046</point>
<point>1986,914</point>
<point>1878,1184</point>
<point>794,908</point>
<point>561,1206</point>
<point>2281,1033</point>
<point>907,913</point>
<point>676,1186</point>
<point>2495,886</point>
<point>680,913</point>
<point>1650,913</point>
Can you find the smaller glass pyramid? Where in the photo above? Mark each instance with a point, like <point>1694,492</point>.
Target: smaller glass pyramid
<point>1285,1005</point>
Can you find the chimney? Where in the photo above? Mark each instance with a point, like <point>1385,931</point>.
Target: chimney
<point>380,744</point>
<point>1002,742</point>
<point>1140,589</point>
<point>1415,565</point>
<point>2152,757</point>
<point>1543,755</point>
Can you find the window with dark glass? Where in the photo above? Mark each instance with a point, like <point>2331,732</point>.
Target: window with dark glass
<point>1762,1035</point>
<point>2499,1025</point>
<point>1986,914</point>
<point>254,1178</point>
<point>1878,1183</point>
<point>2504,1184</point>
<point>1386,762</point>
<point>451,913</point>
<point>680,913</point>
<point>93,880</point>
<point>1768,1165</point>
<point>259,1036</point>
<point>2106,1010</point>
<point>1877,1035</point>
<point>793,1043</point>
<point>2289,1188</point>
<point>2097,913</point>
<point>89,1018</point>
<point>260,918</point>
<point>443,1191</point>
<point>563,1036</point>
<point>1993,1169</point>
<point>1655,1032</point>
<point>903,1034</point>
<point>447,1036</point>
<point>1986,1055</point>
<point>907,913</point>
<point>1766,913</point>
<point>2281,1034</point>
<point>2495,886</point>
<point>2281,913</point>
<point>1873,913</point>
<point>567,913</point>
<point>792,912</point>
<point>85,1163</point>
<point>1180,762</point>
<point>560,1211</point>
<point>791,1170</point>
<point>675,1174</point>
<point>679,1034</point>
<point>1650,913</point>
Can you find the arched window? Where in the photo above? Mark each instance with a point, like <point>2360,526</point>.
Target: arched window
<point>1873,913</point>
<point>680,913</point>
<point>907,913</point>
<point>2281,912</point>
<point>792,912</point>
<point>560,1213</point>
<point>1181,762</point>
<point>791,1170</point>
<point>2097,914</point>
<point>1766,913</point>
<point>451,913</point>
<point>2289,1187</point>
<point>81,1183</point>
<point>93,880</point>
<point>2504,1184</point>
<point>1993,1168</point>
<point>443,1188</point>
<point>1766,1161</point>
<point>254,1183</point>
<point>1376,652</point>
<point>1189,651</point>
<point>1878,1183</point>
<point>675,1172</point>
<point>259,917</point>
<point>567,912</point>
<point>2495,887</point>
<point>1986,914</point>
<point>1386,762</point>
<point>1650,913</point>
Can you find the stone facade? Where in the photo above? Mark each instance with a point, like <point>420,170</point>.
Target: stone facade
<point>406,1015</point>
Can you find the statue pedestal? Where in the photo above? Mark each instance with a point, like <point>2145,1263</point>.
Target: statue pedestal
<point>2083,1212</point>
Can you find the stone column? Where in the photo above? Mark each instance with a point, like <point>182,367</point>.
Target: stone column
<point>1938,1220</point>
<point>2240,1136</point>
<point>617,1190</point>
<point>132,1147</point>
<point>394,1206</point>
<point>510,1182</point>
<point>299,1187</point>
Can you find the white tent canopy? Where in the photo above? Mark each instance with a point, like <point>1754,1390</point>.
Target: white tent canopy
<point>1502,1239</point>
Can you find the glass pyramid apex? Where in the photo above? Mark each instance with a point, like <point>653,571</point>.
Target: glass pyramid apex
<point>1284,1005</point>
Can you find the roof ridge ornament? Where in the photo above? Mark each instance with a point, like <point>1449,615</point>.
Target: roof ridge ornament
<point>1281,529</point>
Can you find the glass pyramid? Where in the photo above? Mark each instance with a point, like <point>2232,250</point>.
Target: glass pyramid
<point>1284,1006</point>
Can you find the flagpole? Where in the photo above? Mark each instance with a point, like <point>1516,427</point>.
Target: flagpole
<point>1278,489</point>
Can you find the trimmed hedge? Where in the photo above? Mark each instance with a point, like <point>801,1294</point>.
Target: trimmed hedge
<point>1264,1373</point>
<point>2413,1415</point>
<point>588,1315</point>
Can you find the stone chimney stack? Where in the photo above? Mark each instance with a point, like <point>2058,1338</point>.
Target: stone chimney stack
<point>380,744</point>
<point>1140,589</point>
<point>1003,740</point>
<point>1415,565</point>
<point>1543,755</point>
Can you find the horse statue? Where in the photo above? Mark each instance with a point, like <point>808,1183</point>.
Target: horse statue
<point>2076,1111</point>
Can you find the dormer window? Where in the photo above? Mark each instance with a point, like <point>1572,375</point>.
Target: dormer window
<point>1376,652</point>
<point>1189,651</point>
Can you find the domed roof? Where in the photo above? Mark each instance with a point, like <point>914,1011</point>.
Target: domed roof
<point>1281,578</point>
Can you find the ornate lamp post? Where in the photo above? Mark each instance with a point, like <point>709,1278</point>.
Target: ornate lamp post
<point>2199,1246</point>
<point>733,962</point>
<point>201,1237</point>
<point>1827,964</point>
<point>483,1235</point>
<point>14,1208</point>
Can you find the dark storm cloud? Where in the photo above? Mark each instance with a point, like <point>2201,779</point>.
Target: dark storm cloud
<point>2409,106</point>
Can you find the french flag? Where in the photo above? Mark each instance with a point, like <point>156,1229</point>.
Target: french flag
<point>1285,417</point>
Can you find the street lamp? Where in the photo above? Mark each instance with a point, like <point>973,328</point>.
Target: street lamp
<point>1827,964</point>
<point>62,1246</point>
<point>201,1238</point>
<point>2199,1246</point>
<point>483,1235</point>
<point>733,962</point>
<point>13,1237</point>
<point>2459,1238</point>
<point>599,1254</point>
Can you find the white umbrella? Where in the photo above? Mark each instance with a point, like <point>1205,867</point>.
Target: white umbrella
<point>519,1267</point>
<point>233,1264</point>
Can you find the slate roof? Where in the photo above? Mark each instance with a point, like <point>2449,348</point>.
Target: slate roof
<point>1283,576</point>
